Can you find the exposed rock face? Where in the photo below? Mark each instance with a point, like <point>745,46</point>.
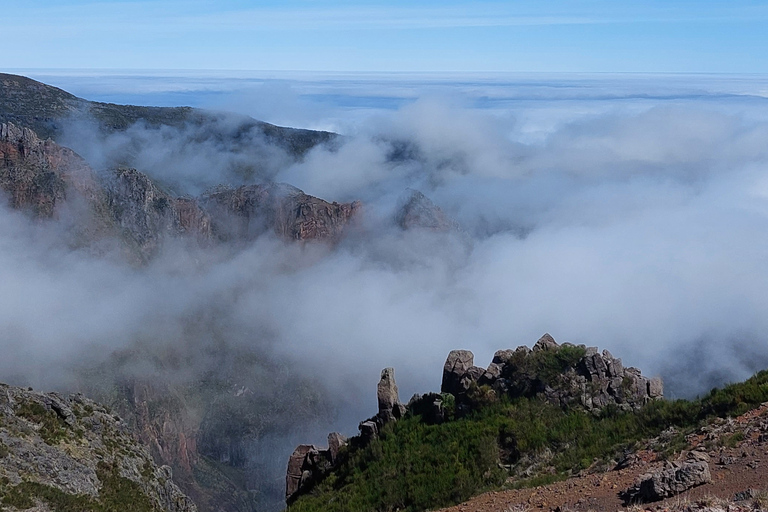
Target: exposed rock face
<point>457,365</point>
<point>308,464</point>
<point>248,211</point>
<point>586,377</point>
<point>671,481</point>
<point>42,177</point>
<point>74,445</point>
<point>419,212</point>
<point>36,174</point>
<point>390,408</point>
<point>146,214</point>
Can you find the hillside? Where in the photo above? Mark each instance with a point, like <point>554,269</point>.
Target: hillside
<point>523,424</point>
<point>46,109</point>
<point>70,453</point>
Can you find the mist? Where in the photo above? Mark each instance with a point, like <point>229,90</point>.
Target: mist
<point>635,225</point>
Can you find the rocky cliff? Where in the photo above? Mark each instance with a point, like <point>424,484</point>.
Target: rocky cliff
<point>47,179</point>
<point>70,453</point>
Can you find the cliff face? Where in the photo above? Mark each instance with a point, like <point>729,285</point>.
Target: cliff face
<point>42,177</point>
<point>70,453</point>
<point>203,433</point>
<point>249,211</point>
<point>36,174</point>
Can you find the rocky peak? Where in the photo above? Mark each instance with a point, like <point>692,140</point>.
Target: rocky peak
<point>567,375</point>
<point>418,211</point>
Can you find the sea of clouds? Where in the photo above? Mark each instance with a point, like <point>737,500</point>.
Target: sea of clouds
<point>628,212</point>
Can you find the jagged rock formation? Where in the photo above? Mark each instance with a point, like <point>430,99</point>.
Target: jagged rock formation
<point>566,375</point>
<point>73,451</point>
<point>44,178</point>
<point>308,464</point>
<point>563,374</point>
<point>676,478</point>
<point>390,408</point>
<point>37,174</point>
<point>147,214</point>
<point>418,211</point>
<point>249,211</point>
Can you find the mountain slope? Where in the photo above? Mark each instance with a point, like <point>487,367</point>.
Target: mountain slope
<point>522,423</point>
<point>45,179</point>
<point>45,109</point>
<point>70,453</point>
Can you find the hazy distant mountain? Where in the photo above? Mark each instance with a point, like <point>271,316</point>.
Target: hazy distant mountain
<point>45,109</point>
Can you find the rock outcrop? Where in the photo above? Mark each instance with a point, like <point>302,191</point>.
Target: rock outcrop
<point>146,214</point>
<point>567,375</point>
<point>390,408</point>
<point>73,448</point>
<point>308,464</point>
<point>37,174</point>
<point>418,211</point>
<point>43,177</point>
<point>563,374</point>
<point>676,478</point>
<point>248,211</point>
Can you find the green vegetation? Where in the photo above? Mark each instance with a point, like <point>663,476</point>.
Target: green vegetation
<point>116,493</point>
<point>416,465</point>
<point>530,373</point>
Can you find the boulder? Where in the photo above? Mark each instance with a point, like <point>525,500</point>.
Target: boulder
<point>670,481</point>
<point>546,342</point>
<point>293,476</point>
<point>335,442</point>
<point>456,366</point>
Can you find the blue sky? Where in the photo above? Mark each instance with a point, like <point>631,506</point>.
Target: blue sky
<point>534,36</point>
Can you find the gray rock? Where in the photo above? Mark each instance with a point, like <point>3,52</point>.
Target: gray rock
<point>295,471</point>
<point>335,442</point>
<point>546,342</point>
<point>671,481</point>
<point>456,366</point>
<point>390,408</point>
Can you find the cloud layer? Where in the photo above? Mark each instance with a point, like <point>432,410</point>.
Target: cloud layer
<point>635,226</point>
